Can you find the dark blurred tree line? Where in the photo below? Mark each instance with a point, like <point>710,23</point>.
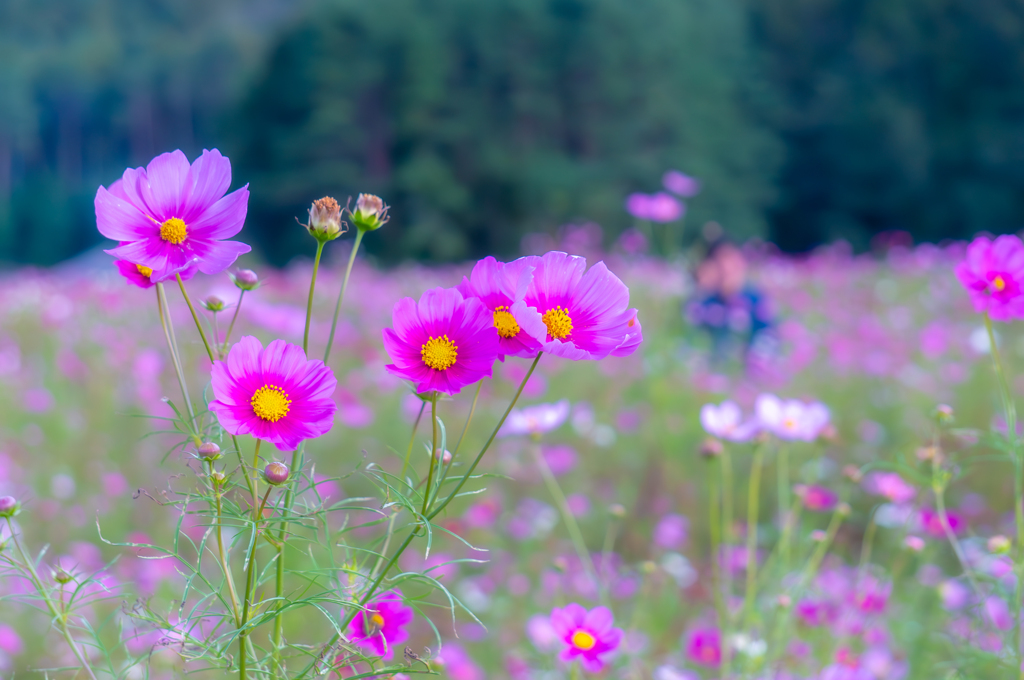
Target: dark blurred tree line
<point>807,120</point>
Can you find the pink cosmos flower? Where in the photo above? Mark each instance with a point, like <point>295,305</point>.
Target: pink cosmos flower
<point>173,215</point>
<point>381,627</point>
<point>274,393</point>
<point>993,274</point>
<point>588,636</point>
<point>818,498</point>
<point>726,422</point>
<point>136,274</point>
<point>586,314</point>
<point>659,207</point>
<point>444,342</point>
<point>680,184</point>
<point>501,287</point>
<point>535,419</point>
<point>704,647</point>
<point>931,522</point>
<point>791,419</point>
<point>890,485</point>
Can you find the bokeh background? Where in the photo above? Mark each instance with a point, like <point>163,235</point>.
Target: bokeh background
<point>806,120</point>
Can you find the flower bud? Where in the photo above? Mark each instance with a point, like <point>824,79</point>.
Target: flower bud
<point>853,473</point>
<point>710,448</point>
<point>914,543</point>
<point>61,576</point>
<point>445,457</point>
<point>8,506</point>
<point>246,279</point>
<point>999,545</point>
<point>944,414</point>
<point>371,213</point>
<point>209,451</point>
<point>844,509</point>
<point>785,601</point>
<point>648,567</point>
<point>276,473</point>
<point>616,510</point>
<point>818,535</point>
<point>217,476</point>
<point>561,564</point>
<point>212,303</point>
<point>325,223</point>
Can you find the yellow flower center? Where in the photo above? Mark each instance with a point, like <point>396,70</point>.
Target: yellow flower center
<point>270,403</point>
<point>439,353</point>
<point>581,639</point>
<point>789,424</point>
<point>377,620</point>
<point>505,323</point>
<point>999,284</point>
<point>145,271</point>
<point>173,231</point>
<point>558,322</point>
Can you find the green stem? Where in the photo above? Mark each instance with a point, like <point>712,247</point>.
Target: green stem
<point>218,494</point>
<point>234,317</point>
<point>867,543</point>
<point>469,419</point>
<point>753,503</point>
<point>195,317</point>
<point>165,322</point>
<point>479,457</point>
<point>255,473</point>
<point>57,614</point>
<point>412,438</point>
<point>282,537</point>
<point>783,493</point>
<point>1010,408</point>
<point>570,522</point>
<point>715,530</point>
<point>727,506</point>
<point>341,293</point>
<point>433,455</point>
<point>309,303</point>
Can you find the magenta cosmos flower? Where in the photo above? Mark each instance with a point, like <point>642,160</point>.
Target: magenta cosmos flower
<point>444,342</point>
<point>173,215</point>
<point>382,625</point>
<point>704,646</point>
<point>817,498</point>
<point>137,275</point>
<point>501,287</point>
<point>586,315</point>
<point>993,274</point>
<point>274,393</point>
<point>588,635</point>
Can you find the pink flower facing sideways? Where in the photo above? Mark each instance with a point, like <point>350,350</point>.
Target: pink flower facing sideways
<point>818,498</point>
<point>791,419</point>
<point>588,636</point>
<point>501,288</point>
<point>274,393</point>
<point>993,274</point>
<point>443,342</point>
<point>381,627</point>
<point>171,216</point>
<point>726,422</point>
<point>586,314</point>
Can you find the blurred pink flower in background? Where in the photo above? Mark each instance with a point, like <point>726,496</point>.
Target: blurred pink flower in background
<point>535,420</point>
<point>726,421</point>
<point>890,485</point>
<point>993,274</point>
<point>791,419</point>
<point>671,531</point>
<point>704,647</point>
<point>681,184</point>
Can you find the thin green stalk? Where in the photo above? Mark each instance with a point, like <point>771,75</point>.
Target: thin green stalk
<point>255,473</point>
<point>715,530</point>
<point>753,503</point>
<point>433,455</point>
<point>867,543</point>
<point>938,489</point>
<point>218,494</point>
<point>727,506</point>
<point>469,419</point>
<point>234,317</point>
<point>282,537</point>
<point>195,317</point>
<point>249,571</point>
<point>1010,408</point>
<point>309,303</point>
<point>479,457</point>
<point>341,293</point>
<point>59,615</point>
<point>165,323</point>
<point>570,522</point>
<point>412,438</point>
<point>782,487</point>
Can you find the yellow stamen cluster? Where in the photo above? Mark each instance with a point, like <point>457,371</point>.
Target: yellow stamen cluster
<point>270,403</point>
<point>581,639</point>
<point>145,271</point>
<point>377,620</point>
<point>439,353</point>
<point>558,322</point>
<point>999,284</point>
<point>173,231</point>
<point>505,323</point>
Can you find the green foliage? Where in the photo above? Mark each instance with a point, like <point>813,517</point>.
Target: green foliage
<point>482,121</point>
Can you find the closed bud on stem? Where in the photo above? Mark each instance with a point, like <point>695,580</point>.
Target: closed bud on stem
<point>9,506</point>
<point>325,223</point>
<point>711,448</point>
<point>276,473</point>
<point>217,476</point>
<point>443,457</point>
<point>616,510</point>
<point>944,414</point>
<point>61,576</point>
<point>371,213</point>
<point>209,451</point>
<point>853,473</point>
<point>785,601</point>
<point>561,564</point>
<point>818,535</point>
<point>648,567</point>
<point>212,303</point>
<point>914,543</point>
<point>1000,545</point>
<point>246,279</point>
<point>844,509</point>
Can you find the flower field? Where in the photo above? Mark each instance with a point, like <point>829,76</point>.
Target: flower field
<point>840,507</point>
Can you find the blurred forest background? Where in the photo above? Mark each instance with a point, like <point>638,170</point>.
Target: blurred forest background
<point>479,121</point>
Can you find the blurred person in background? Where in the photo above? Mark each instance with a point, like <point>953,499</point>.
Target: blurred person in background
<point>735,314</point>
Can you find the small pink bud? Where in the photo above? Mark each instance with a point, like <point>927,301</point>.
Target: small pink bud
<point>213,303</point>
<point>710,448</point>
<point>8,506</point>
<point>915,543</point>
<point>617,510</point>
<point>209,451</point>
<point>61,576</point>
<point>818,535</point>
<point>785,601</point>
<point>853,473</point>
<point>325,223</point>
<point>246,279</point>
<point>276,473</point>
<point>371,213</point>
<point>445,457</point>
<point>944,414</point>
<point>999,545</point>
